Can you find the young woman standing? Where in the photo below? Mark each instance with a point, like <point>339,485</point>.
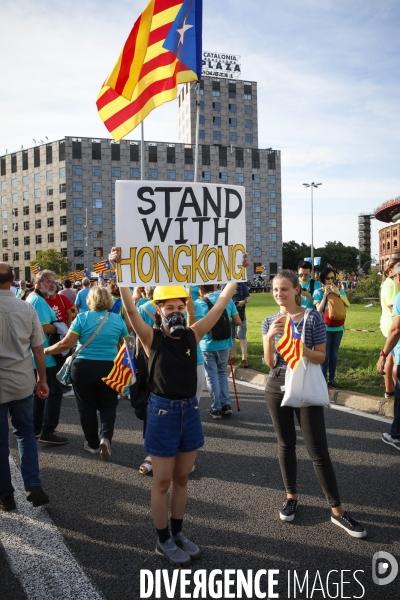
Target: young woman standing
<point>287,294</point>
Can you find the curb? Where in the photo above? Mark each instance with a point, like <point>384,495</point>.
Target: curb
<point>353,400</point>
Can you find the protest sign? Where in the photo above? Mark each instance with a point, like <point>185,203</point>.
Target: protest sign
<point>179,232</point>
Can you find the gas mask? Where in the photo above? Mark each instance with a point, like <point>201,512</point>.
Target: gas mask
<point>175,322</point>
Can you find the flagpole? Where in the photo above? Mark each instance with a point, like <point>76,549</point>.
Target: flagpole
<point>196,150</point>
<point>87,240</point>
<point>142,151</point>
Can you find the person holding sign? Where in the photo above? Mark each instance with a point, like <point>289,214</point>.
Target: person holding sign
<point>173,432</point>
<point>288,295</point>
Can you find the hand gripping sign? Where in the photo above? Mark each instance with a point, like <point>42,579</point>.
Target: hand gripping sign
<point>175,232</point>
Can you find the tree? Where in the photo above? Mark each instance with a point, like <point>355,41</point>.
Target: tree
<point>293,253</point>
<point>341,257</point>
<point>52,260</point>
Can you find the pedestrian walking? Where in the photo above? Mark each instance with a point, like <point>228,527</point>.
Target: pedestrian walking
<point>80,302</point>
<point>239,332</point>
<point>388,293</point>
<point>287,294</point>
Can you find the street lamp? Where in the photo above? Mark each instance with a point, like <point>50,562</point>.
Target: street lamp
<point>312,185</point>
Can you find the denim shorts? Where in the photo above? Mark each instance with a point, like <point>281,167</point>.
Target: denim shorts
<point>172,426</point>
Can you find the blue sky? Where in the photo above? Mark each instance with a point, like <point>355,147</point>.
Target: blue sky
<point>328,88</point>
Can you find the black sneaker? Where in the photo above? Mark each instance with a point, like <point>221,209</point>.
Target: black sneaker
<point>7,503</point>
<point>37,495</point>
<point>216,414</point>
<point>349,524</point>
<point>226,409</point>
<point>51,439</point>
<point>334,385</point>
<point>288,509</point>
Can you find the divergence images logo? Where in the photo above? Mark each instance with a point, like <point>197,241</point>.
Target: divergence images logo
<point>385,564</point>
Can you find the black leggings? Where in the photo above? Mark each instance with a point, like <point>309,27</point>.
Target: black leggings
<point>312,424</point>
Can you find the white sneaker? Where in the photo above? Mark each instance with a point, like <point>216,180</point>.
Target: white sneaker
<point>105,449</point>
<point>91,450</point>
<point>387,439</point>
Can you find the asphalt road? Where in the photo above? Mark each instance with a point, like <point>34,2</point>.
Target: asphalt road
<point>102,511</point>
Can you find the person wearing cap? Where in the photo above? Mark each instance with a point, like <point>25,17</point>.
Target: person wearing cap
<point>173,432</point>
<point>82,295</point>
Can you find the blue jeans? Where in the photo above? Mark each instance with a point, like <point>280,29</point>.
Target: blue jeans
<point>395,428</point>
<point>333,339</point>
<point>46,413</point>
<point>21,414</point>
<point>215,363</point>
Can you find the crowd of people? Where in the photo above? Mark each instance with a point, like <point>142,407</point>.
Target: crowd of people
<point>188,336</point>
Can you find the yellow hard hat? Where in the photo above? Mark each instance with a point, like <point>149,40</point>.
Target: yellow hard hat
<point>167,292</point>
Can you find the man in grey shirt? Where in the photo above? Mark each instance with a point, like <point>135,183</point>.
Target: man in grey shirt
<point>20,332</point>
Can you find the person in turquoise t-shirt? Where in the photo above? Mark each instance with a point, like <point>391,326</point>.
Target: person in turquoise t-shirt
<point>81,297</point>
<point>92,364</point>
<point>307,283</point>
<point>333,334</point>
<point>216,355</point>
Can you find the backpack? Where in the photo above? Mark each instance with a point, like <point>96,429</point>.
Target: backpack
<point>312,286</point>
<point>222,328</point>
<point>335,315</point>
<point>116,307</point>
<point>140,391</point>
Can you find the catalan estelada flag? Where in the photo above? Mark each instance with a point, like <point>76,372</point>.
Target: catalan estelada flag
<point>35,268</point>
<point>163,50</point>
<point>290,346</point>
<point>79,274</point>
<point>71,276</point>
<point>123,372</point>
<point>102,266</point>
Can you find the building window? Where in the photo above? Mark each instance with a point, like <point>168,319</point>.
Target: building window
<point>188,156</point>
<point>257,237</point>
<point>62,188</point>
<point>4,229</point>
<point>232,108</point>
<point>36,157</point>
<point>25,160</point>
<point>16,256</point>
<point>134,152</point>
<point>239,158</point>
<point>36,179</point>
<point>50,206</point>
<point>202,119</point>
<point>256,222</point>
<point>205,155</point>
<point>217,106</point>
<point>272,237</point>
<point>202,134</point>
<point>98,235</point>
<point>188,175</point>
<point>255,159</point>
<point>256,178</point>
<point>216,88</point>
<point>272,208</point>
<point>216,135</point>
<point>14,197</point>
<point>78,220</point>
<point>50,238</point>
<point>3,168</point>
<point>223,157</point>
<point>171,174</point>
<point>61,150</point>
<point>50,222</point>
<point>201,104</point>
<point>63,220</point>
<point>4,199</point>
<point>247,91</point>
<point>63,204</point>
<point>78,252</point>
<point>64,252</point>
<point>271,161</point>
<point>153,173</point>
<point>248,109</point>
<point>96,171</point>
<point>257,252</point>
<point>135,173</point>
<point>271,194</point>
<point>256,194</point>
<point>248,137</point>
<point>38,208</point>
<point>78,235</point>
<point>273,252</point>
<point>98,219</point>
<point>248,123</point>
<point>239,177</point>
<point>38,239</point>
<point>96,187</point>
<point>78,203</point>
<point>98,251</point>
<point>4,214</point>
<point>232,136</point>
<point>223,177</point>
<point>153,154</point>
<point>49,154</point>
<point>15,226</point>
<point>206,176</point>
<point>232,90</point>
<point>217,120</point>
<point>256,207</point>
<point>49,174</point>
<point>64,236</point>
<point>5,256</point>
<point>171,154</point>
<point>272,222</point>
<point>15,212</point>
<point>77,149</point>
<point>27,254</point>
<point>115,171</point>
<point>115,151</point>
<point>13,163</point>
<point>25,210</point>
<point>38,224</point>
<point>233,122</point>
<point>271,179</point>
<point>97,203</point>
<point>96,150</point>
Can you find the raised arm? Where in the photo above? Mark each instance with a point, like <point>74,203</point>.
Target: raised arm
<point>142,330</point>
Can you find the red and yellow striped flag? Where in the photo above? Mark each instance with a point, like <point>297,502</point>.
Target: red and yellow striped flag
<point>79,274</point>
<point>123,372</point>
<point>290,346</point>
<point>35,268</point>
<point>148,72</point>
<point>102,266</point>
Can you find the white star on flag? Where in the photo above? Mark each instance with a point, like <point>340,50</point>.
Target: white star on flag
<point>182,31</point>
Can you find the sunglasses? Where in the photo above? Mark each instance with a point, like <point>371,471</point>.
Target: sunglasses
<point>326,278</point>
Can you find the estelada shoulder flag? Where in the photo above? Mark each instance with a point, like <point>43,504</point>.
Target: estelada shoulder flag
<point>123,373</point>
<point>163,50</point>
<point>290,346</point>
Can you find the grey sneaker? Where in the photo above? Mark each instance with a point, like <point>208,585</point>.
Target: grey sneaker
<point>387,439</point>
<point>91,450</point>
<point>105,449</point>
<point>173,553</point>
<point>349,524</point>
<point>186,545</point>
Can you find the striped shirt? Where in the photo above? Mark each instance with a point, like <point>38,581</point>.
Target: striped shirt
<point>315,333</point>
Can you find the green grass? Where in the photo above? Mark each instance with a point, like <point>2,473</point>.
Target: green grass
<point>358,353</point>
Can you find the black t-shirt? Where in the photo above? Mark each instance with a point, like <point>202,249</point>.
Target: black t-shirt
<point>175,368</point>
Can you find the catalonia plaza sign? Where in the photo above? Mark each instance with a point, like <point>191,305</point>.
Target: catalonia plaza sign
<point>218,64</point>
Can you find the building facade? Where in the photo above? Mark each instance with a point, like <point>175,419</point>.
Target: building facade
<point>62,194</point>
<point>389,244</point>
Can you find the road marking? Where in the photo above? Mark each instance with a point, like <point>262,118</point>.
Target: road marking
<point>37,552</point>
<point>358,413</point>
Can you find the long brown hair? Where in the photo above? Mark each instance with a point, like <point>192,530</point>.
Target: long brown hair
<point>293,278</point>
